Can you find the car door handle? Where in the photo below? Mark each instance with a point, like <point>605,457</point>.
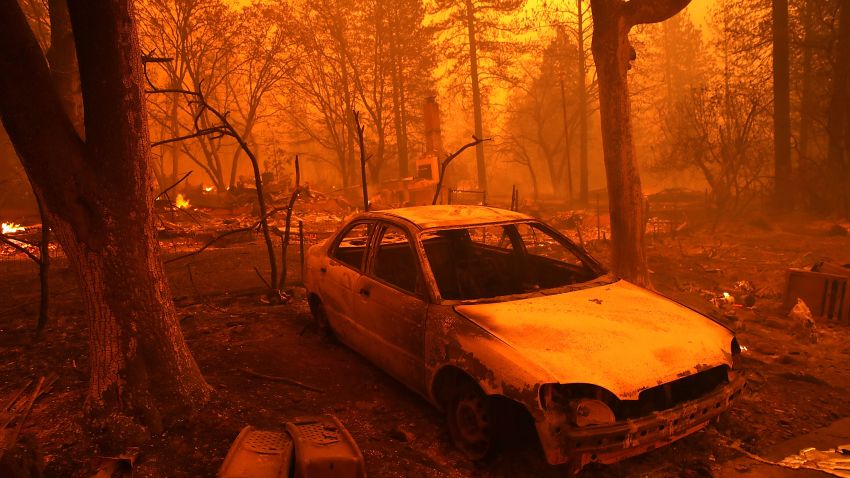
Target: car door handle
<point>364,292</point>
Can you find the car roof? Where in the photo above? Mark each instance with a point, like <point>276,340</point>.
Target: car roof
<point>427,217</point>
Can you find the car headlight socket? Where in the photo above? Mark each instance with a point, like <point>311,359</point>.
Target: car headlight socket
<point>589,412</point>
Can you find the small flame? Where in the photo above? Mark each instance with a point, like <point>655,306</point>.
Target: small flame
<point>181,201</point>
<point>208,188</point>
<point>744,348</point>
<point>10,227</point>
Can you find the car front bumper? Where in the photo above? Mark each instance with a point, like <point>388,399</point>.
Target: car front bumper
<point>624,439</point>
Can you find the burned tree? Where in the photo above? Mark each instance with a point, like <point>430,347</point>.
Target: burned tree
<point>99,194</point>
<point>363,158</point>
<point>445,164</point>
<point>781,106</point>
<point>612,52</point>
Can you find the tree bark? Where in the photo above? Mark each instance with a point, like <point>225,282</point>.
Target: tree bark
<point>806,95</point>
<point>837,120</point>
<point>582,104</point>
<point>100,196</point>
<point>62,58</point>
<point>476,94</point>
<point>781,107</point>
<point>400,133</point>
<point>612,21</point>
<point>567,159</point>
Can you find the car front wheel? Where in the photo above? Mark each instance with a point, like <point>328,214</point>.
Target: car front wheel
<point>468,413</point>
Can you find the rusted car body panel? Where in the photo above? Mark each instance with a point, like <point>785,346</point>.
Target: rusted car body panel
<point>664,369</point>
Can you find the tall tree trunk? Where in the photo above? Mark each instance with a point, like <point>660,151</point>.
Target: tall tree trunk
<point>62,58</point>
<point>807,97</point>
<point>781,107</point>
<point>400,139</point>
<point>567,160</point>
<point>476,95</point>
<point>141,367</point>
<point>582,104</point>
<point>174,131</point>
<point>837,120</point>
<point>612,20</point>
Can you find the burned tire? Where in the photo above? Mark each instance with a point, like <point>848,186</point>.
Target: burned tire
<point>320,317</point>
<point>468,414</point>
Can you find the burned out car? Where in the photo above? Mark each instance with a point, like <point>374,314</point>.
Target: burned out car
<point>474,307</point>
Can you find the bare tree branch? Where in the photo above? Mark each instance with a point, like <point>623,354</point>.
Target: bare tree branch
<point>169,188</point>
<point>638,12</point>
<point>449,158</point>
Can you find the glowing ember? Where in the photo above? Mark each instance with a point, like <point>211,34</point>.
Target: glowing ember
<point>10,227</point>
<point>208,189</point>
<point>181,201</point>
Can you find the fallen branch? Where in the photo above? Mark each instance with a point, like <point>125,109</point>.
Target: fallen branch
<point>260,275</point>
<point>200,296</point>
<point>13,439</point>
<point>222,236</point>
<point>282,380</point>
<point>449,158</point>
<point>12,243</point>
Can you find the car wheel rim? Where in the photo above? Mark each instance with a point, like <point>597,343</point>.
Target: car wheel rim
<point>472,426</point>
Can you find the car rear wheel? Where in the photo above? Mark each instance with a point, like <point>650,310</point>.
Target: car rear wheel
<point>320,317</point>
<point>468,413</point>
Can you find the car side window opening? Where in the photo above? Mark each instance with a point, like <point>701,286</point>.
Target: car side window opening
<point>395,260</point>
<point>492,261</point>
<point>351,248</point>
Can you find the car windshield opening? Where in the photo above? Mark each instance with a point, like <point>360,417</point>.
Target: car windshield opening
<point>491,261</point>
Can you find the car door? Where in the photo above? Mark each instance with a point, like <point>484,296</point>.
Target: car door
<point>339,279</point>
<point>391,306</point>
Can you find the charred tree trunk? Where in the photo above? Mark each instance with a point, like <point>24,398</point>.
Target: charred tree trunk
<point>837,121</point>
<point>567,159</point>
<point>582,104</point>
<point>784,198</point>
<point>476,94</point>
<point>43,269</point>
<point>62,58</point>
<point>174,131</point>
<point>400,133</point>
<point>612,21</point>
<point>141,367</point>
<point>806,94</point>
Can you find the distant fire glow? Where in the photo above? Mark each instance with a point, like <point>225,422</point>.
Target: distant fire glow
<point>10,227</point>
<point>181,201</point>
<point>208,189</point>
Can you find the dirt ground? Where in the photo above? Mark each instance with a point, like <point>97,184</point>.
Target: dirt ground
<point>797,382</point>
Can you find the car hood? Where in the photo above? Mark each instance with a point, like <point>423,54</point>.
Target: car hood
<point>617,336</point>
